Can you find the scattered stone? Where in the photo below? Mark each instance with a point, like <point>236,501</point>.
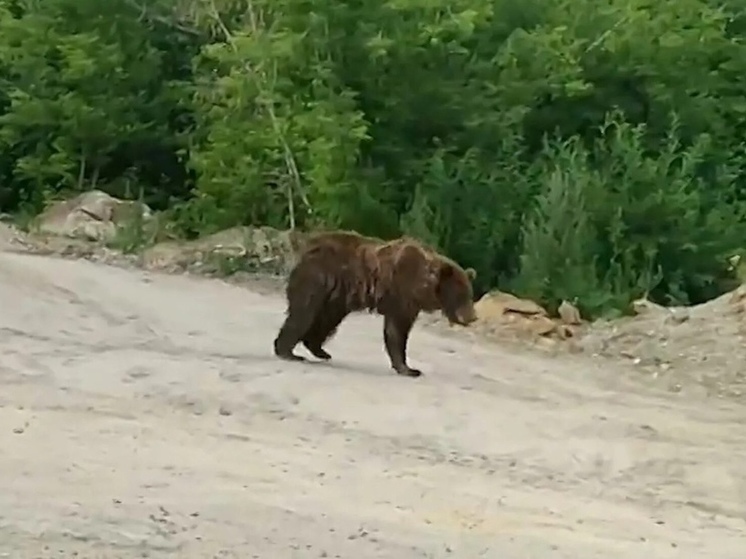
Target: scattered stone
<point>645,306</point>
<point>542,325</point>
<point>520,315</point>
<point>498,303</point>
<point>504,315</point>
<point>569,314</point>
<point>92,216</point>
<point>677,316</point>
<point>565,331</point>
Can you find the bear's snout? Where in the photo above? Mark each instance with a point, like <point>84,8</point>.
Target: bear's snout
<point>463,316</point>
<point>468,316</point>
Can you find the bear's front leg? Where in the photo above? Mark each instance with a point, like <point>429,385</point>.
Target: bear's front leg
<point>396,330</point>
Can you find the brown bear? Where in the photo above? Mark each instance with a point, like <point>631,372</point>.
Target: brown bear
<point>340,272</point>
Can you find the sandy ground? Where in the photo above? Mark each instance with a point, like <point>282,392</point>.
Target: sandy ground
<point>143,415</point>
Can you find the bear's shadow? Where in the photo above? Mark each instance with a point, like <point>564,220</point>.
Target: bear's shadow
<point>346,366</point>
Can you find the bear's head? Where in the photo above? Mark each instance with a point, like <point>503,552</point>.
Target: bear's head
<point>455,293</point>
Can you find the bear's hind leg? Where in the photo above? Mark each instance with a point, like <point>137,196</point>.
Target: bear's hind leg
<point>323,328</point>
<point>288,338</point>
<point>297,324</point>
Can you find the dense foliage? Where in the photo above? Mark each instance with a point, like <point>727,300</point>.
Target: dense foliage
<point>573,149</point>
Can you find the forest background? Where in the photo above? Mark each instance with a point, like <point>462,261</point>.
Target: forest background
<point>565,149</point>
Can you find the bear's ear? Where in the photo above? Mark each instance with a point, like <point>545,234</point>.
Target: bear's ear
<point>471,273</point>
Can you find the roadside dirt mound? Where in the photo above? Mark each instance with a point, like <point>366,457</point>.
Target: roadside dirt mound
<point>684,347</point>
<point>507,317</point>
<point>11,238</point>
<point>228,252</point>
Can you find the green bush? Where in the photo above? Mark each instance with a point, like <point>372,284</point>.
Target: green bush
<point>564,149</point>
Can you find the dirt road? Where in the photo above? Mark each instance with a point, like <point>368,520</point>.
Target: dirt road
<point>144,415</point>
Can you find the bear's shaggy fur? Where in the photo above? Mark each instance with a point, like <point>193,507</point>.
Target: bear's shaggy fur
<point>340,272</point>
